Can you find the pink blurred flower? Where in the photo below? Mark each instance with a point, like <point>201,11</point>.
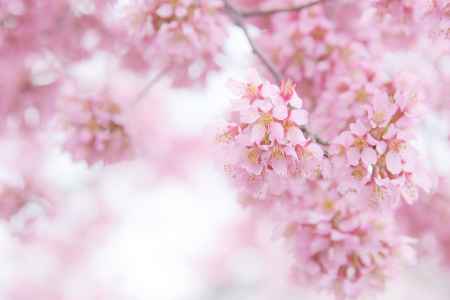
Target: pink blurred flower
<point>183,37</point>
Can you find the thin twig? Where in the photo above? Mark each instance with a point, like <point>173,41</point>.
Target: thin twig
<point>262,13</point>
<point>150,84</point>
<point>237,18</point>
<point>315,137</point>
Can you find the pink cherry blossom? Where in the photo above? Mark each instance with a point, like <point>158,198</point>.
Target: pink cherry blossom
<point>342,248</point>
<point>96,130</point>
<point>265,139</point>
<point>183,37</point>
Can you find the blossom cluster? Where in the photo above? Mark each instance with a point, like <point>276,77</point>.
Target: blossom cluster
<point>96,130</point>
<point>265,147</point>
<point>38,39</point>
<point>303,45</point>
<point>187,35</point>
<point>355,182</point>
<point>328,154</point>
<point>341,246</point>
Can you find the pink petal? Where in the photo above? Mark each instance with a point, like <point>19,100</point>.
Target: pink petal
<point>279,166</point>
<point>349,225</point>
<point>249,115</point>
<point>422,180</point>
<point>295,101</point>
<point>263,105</point>
<point>358,128</point>
<point>316,150</point>
<point>252,168</point>
<point>409,192</point>
<point>236,87</point>
<point>295,136</point>
<point>353,156</point>
<point>258,132</point>
<point>299,116</point>
<point>319,244</point>
<point>369,156</point>
<point>290,151</point>
<point>280,112</point>
<point>277,131</point>
<point>345,139</point>
<point>394,162</point>
<point>270,91</point>
<point>381,147</point>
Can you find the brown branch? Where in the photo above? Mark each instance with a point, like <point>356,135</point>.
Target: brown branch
<point>150,84</point>
<point>237,19</point>
<point>263,13</point>
<point>315,137</point>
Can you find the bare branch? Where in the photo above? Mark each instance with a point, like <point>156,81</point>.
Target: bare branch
<point>237,18</point>
<point>315,137</point>
<point>150,84</point>
<point>262,13</point>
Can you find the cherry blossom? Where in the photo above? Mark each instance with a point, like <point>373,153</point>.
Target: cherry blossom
<point>264,137</point>
<point>328,157</point>
<point>185,36</point>
<point>96,129</point>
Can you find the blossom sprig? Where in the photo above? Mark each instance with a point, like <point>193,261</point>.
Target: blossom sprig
<point>96,129</point>
<point>186,36</point>
<point>340,246</point>
<point>338,204</point>
<point>379,146</point>
<point>263,138</point>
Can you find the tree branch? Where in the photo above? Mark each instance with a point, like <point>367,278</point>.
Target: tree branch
<point>315,137</point>
<point>237,18</point>
<point>150,84</point>
<point>262,13</point>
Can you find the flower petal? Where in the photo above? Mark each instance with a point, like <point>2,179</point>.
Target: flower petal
<point>277,131</point>
<point>249,115</point>
<point>263,105</point>
<point>295,101</point>
<point>409,192</point>
<point>358,128</point>
<point>299,116</point>
<point>295,136</point>
<point>280,112</point>
<point>381,147</point>
<point>316,150</point>
<point>369,156</point>
<point>353,156</point>
<point>279,166</point>
<point>394,162</point>
<point>258,132</point>
<point>270,90</point>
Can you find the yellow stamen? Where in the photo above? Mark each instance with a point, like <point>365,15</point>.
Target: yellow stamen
<point>253,155</point>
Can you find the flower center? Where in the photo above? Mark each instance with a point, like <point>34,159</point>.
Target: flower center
<point>253,155</point>
<point>266,119</point>
<point>359,143</point>
<point>361,95</point>
<point>359,172</point>
<point>379,117</point>
<point>277,153</point>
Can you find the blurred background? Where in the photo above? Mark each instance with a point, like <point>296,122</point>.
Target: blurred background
<point>127,232</point>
